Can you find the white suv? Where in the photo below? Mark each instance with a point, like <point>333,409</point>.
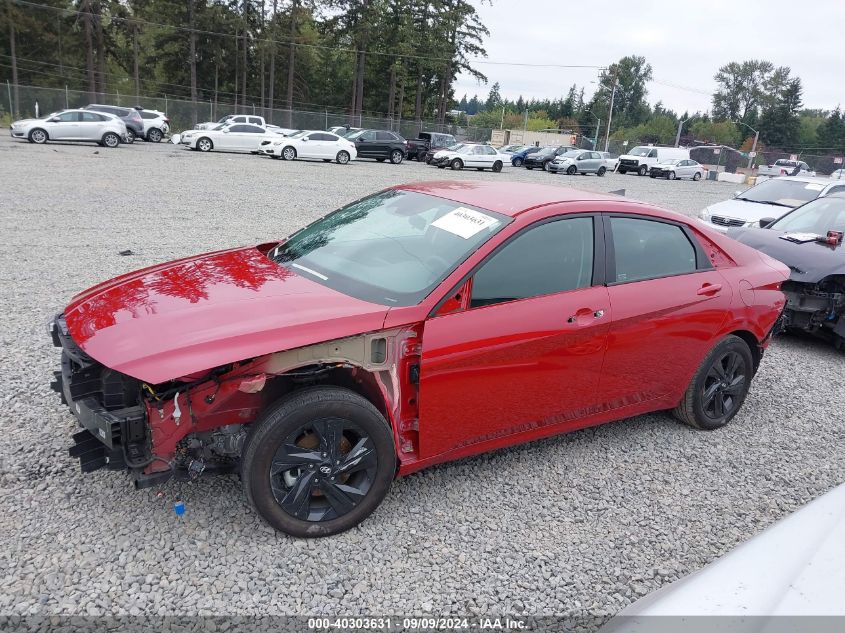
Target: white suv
<point>156,125</point>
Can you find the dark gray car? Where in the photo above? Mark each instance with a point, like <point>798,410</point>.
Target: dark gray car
<point>130,116</point>
<point>808,239</point>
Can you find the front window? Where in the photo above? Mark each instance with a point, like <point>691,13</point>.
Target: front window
<point>392,248</point>
<point>818,216</point>
<point>783,193</point>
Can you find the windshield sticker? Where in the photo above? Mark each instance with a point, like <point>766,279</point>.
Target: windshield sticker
<point>464,222</point>
<point>814,187</point>
<point>799,238</point>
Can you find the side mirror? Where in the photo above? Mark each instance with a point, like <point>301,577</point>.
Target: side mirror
<point>226,131</point>
<point>765,222</point>
<point>737,193</point>
<point>55,119</point>
<point>304,139</point>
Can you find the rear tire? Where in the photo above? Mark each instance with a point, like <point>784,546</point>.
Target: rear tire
<point>110,139</point>
<point>497,166</point>
<point>154,135</point>
<point>719,387</point>
<point>396,157</point>
<point>697,176</point>
<point>601,172</point>
<point>130,136</point>
<point>342,470</point>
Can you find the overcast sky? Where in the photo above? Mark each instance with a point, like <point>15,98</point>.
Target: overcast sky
<point>685,43</point>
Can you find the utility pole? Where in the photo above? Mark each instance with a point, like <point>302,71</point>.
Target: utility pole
<point>678,135</point>
<point>598,126</point>
<point>753,145</point>
<point>610,113</point>
<point>502,124</point>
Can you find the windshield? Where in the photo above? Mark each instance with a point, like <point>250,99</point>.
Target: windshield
<point>546,150</point>
<point>456,147</point>
<point>640,151</point>
<point>571,153</point>
<point>785,193</point>
<point>355,134</point>
<point>298,134</point>
<point>785,163</point>
<point>219,127</point>
<point>391,248</point>
<point>672,161</point>
<point>818,216</point>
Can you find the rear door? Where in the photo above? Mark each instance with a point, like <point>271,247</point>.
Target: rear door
<point>667,303</point>
<point>384,144</point>
<point>527,351</point>
<point>91,125</point>
<point>365,143</point>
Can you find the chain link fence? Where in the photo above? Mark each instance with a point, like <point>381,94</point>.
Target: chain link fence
<point>183,113</point>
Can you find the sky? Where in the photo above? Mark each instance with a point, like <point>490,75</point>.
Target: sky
<point>684,41</point>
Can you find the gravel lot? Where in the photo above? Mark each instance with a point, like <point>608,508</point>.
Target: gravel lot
<point>583,523</point>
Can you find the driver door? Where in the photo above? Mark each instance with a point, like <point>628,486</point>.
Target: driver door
<point>527,351</point>
<point>66,128</point>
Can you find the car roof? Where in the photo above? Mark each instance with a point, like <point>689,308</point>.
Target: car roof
<point>507,198</point>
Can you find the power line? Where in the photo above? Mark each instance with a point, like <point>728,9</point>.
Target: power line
<point>289,42</point>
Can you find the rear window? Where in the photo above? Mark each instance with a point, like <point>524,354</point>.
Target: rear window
<point>645,249</point>
<point>148,115</point>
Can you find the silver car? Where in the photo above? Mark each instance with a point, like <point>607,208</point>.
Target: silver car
<point>72,125</point>
<point>579,162</point>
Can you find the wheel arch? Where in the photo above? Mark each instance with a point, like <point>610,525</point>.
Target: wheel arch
<point>753,344</point>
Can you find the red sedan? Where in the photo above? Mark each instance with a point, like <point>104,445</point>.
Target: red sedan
<point>418,325</point>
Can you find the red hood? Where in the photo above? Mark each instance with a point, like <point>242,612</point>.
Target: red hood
<point>194,314</point>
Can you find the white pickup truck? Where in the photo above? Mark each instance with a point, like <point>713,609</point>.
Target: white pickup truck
<point>785,167</point>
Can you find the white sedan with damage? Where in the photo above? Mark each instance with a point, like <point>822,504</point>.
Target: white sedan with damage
<point>315,144</point>
<point>475,155</point>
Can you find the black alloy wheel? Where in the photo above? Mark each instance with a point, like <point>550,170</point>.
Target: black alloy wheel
<point>719,387</point>
<point>319,462</point>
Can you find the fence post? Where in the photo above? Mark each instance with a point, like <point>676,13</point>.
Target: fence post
<point>210,110</point>
<point>11,108</point>
<point>67,101</point>
<point>118,96</point>
<point>327,119</point>
<point>165,103</point>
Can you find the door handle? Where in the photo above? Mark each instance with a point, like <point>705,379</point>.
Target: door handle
<point>709,289</point>
<point>584,315</point>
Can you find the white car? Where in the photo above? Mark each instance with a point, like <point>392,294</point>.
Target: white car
<point>839,174</point>
<point>769,199</point>
<point>310,144</point>
<point>610,160</point>
<point>232,118</point>
<point>470,155</point>
<point>230,137</point>
<point>72,125</point>
<point>795,567</point>
<point>156,125</point>
<point>677,169</point>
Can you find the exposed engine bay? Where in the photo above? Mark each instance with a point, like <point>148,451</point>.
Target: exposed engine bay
<point>817,308</point>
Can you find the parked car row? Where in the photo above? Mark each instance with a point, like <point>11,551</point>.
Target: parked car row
<point>105,125</point>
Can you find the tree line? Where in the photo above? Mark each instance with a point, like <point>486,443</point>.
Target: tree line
<point>393,57</point>
<point>751,96</point>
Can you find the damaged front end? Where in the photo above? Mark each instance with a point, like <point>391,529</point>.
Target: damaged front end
<point>817,308</point>
<point>199,424</point>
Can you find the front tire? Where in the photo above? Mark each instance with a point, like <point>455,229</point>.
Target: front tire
<point>517,162</point>
<point>622,171</point>
<point>396,157</point>
<point>205,144</point>
<point>318,462</point>
<point>497,166</point>
<point>456,164</point>
<point>719,387</point>
<point>130,137</point>
<point>154,135</point>
<point>601,172</point>
<point>289,153</point>
<point>110,139</point>
<point>571,170</point>
<point>38,136</point>
<point>342,157</point>
<point>670,175</point>
<point>643,170</point>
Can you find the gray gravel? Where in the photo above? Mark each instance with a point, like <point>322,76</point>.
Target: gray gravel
<point>583,523</point>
